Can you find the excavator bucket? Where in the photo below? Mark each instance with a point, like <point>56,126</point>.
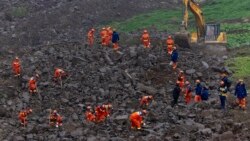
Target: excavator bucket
<point>182,39</point>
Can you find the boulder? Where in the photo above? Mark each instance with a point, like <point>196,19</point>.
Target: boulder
<point>190,71</point>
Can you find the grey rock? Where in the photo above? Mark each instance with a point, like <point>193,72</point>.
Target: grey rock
<point>18,138</point>
<point>9,102</point>
<point>206,131</point>
<point>74,116</point>
<point>227,136</point>
<point>190,71</point>
<point>29,136</point>
<point>76,133</point>
<point>92,138</point>
<point>205,64</point>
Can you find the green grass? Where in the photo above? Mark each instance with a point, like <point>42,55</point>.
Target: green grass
<point>161,19</point>
<point>221,11</point>
<point>19,12</point>
<point>240,65</point>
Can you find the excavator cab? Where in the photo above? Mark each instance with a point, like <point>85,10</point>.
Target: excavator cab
<point>213,34</point>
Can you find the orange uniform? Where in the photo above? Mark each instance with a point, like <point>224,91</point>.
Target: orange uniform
<point>188,93</point>
<point>32,85</point>
<point>102,112</point>
<point>16,66</point>
<point>23,116</point>
<point>91,37</point>
<point>136,120</point>
<point>90,116</point>
<point>181,79</point>
<point>146,100</point>
<point>145,39</point>
<point>109,36</point>
<point>55,119</point>
<point>59,73</point>
<point>104,34</point>
<point>170,44</point>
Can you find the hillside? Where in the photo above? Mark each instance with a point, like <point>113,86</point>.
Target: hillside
<point>50,34</point>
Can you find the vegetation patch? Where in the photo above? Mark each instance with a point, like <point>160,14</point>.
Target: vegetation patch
<point>240,66</point>
<point>214,11</point>
<point>19,12</point>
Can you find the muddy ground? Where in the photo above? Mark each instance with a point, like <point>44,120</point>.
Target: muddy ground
<point>98,75</point>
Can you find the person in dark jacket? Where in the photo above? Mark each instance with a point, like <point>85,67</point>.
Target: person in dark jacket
<point>223,94</point>
<point>115,39</point>
<point>198,91</point>
<point>204,93</point>
<point>241,93</point>
<point>226,80</point>
<point>176,94</point>
<point>174,58</point>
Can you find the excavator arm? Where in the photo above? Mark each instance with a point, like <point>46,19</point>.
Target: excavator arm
<point>196,10</point>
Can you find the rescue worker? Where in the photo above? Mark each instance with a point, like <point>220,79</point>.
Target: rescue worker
<point>32,85</point>
<point>145,39</point>
<point>91,37</point>
<point>59,74</point>
<point>174,58</point>
<point>104,34</point>
<point>170,44</point>
<point>241,94</point>
<point>23,116</point>
<point>136,119</point>
<point>205,93</point>
<point>226,80</point>
<point>181,79</point>
<point>198,90</point>
<point>16,66</point>
<point>102,112</point>
<point>110,33</point>
<point>55,119</point>
<point>188,92</point>
<point>115,39</point>
<point>223,94</point>
<point>89,115</point>
<point>145,100</point>
<point>176,94</point>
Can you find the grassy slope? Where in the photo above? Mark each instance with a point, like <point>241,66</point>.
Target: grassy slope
<point>226,12</point>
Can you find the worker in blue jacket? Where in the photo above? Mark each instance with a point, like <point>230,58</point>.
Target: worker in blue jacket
<point>241,93</point>
<point>205,93</point>
<point>198,91</point>
<point>174,58</point>
<point>115,39</point>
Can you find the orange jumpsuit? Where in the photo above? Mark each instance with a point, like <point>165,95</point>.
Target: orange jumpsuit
<point>100,113</point>
<point>32,85</point>
<point>16,67</point>
<point>90,116</point>
<point>181,80</point>
<point>91,37</point>
<point>145,40</point>
<point>59,73</point>
<point>23,116</point>
<point>136,120</point>
<point>170,45</point>
<point>104,34</point>
<point>145,100</point>
<point>188,94</point>
<point>55,120</point>
<point>109,37</point>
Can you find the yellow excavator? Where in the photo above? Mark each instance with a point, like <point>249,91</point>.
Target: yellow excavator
<point>206,33</point>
